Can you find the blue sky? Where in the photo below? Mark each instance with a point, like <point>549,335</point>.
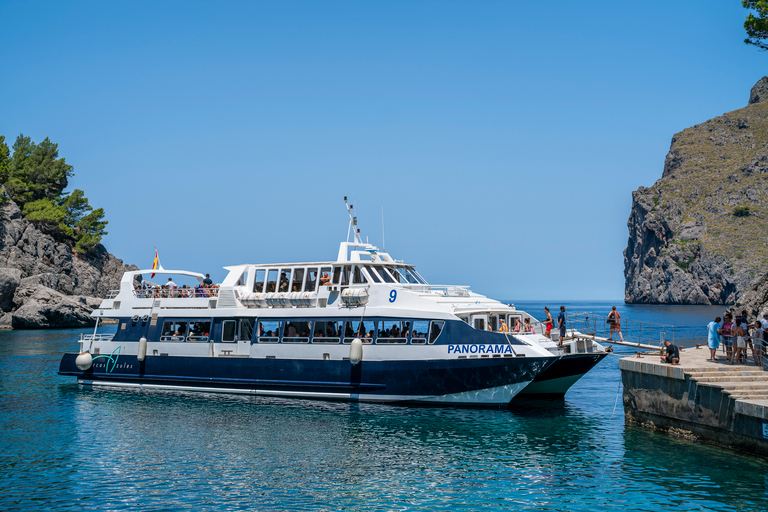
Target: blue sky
<point>502,139</point>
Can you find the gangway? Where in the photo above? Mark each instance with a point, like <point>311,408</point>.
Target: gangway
<point>636,334</point>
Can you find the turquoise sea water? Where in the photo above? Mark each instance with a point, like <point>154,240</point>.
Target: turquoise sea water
<point>65,448</point>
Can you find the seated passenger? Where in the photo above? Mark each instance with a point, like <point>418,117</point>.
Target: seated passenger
<point>325,280</point>
<point>503,326</point>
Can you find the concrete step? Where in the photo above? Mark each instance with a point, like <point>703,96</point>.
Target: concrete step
<point>749,396</point>
<point>733,378</point>
<point>735,385</point>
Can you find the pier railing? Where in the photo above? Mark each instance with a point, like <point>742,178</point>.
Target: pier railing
<point>633,331</point>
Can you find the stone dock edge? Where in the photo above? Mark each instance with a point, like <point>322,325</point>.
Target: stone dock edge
<point>708,401</point>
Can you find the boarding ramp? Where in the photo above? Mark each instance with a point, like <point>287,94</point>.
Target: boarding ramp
<point>637,334</point>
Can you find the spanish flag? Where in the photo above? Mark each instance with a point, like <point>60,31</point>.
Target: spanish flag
<point>155,264</point>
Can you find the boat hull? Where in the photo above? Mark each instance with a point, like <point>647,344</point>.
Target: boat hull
<point>487,382</point>
<point>563,373</point>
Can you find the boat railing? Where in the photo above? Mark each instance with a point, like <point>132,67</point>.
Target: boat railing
<point>175,293</point>
<point>447,290</point>
<point>95,337</point>
<point>112,294</point>
<point>633,331</point>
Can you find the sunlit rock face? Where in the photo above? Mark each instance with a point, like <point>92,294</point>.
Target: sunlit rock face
<point>699,235</point>
<point>43,282</point>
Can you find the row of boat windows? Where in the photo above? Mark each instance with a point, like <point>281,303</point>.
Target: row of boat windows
<point>309,279</point>
<point>306,331</point>
<point>344,331</point>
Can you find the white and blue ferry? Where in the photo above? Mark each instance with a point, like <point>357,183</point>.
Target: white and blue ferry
<point>364,327</point>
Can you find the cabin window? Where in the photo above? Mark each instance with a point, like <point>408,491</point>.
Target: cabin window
<point>420,332</point>
<point>384,274</point>
<point>392,331</point>
<point>406,276</point>
<point>272,280</point>
<point>435,329</point>
<point>296,331</point>
<point>478,323</point>
<point>298,280</point>
<point>285,279</point>
<point>258,281</point>
<point>326,331</point>
<point>373,275</point>
<point>514,320</point>
<point>363,329</point>
<point>358,277</point>
<point>246,329</point>
<point>228,331</point>
<point>269,331</point>
<point>199,330</point>
<point>493,323</point>
<point>325,276</point>
<point>174,330</point>
<point>311,285</point>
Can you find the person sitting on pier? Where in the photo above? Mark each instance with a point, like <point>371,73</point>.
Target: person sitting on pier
<point>673,353</point>
<point>713,337</point>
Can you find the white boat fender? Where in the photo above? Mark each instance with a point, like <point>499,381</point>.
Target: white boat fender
<point>355,351</point>
<point>142,353</point>
<point>84,361</point>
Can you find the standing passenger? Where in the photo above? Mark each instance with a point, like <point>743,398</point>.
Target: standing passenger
<point>561,324</point>
<point>548,322</point>
<point>713,337</point>
<point>615,323</point>
<point>737,331</point>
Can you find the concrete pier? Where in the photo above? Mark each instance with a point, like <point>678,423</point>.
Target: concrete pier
<point>712,401</point>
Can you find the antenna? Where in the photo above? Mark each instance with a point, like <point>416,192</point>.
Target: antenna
<point>383,243</point>
<point>352,223</point>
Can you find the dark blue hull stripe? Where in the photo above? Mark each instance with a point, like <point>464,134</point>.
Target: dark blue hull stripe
<point>403,378</point>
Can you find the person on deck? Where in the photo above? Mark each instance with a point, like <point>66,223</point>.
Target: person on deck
<point>207,281</point>
<point>713,337</point>
<point>615,323</point>
<point>561,324</point>
<point>673,353</point>
<point>548,323</point>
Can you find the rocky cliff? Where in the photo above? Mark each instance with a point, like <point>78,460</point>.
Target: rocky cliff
<point>699,235</point>
<point>43,283</point>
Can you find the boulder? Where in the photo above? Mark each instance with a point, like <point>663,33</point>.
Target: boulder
<point>9,281</point>
<point>42,307</point>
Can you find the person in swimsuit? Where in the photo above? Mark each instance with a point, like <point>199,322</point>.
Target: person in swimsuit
<point>615,323</point>
<point>548,322</point>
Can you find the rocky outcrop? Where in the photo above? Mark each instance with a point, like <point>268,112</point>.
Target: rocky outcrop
<point>43,283</point>
<point>754,299</point>
<point>698,235</point>
<point>39,306</point>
